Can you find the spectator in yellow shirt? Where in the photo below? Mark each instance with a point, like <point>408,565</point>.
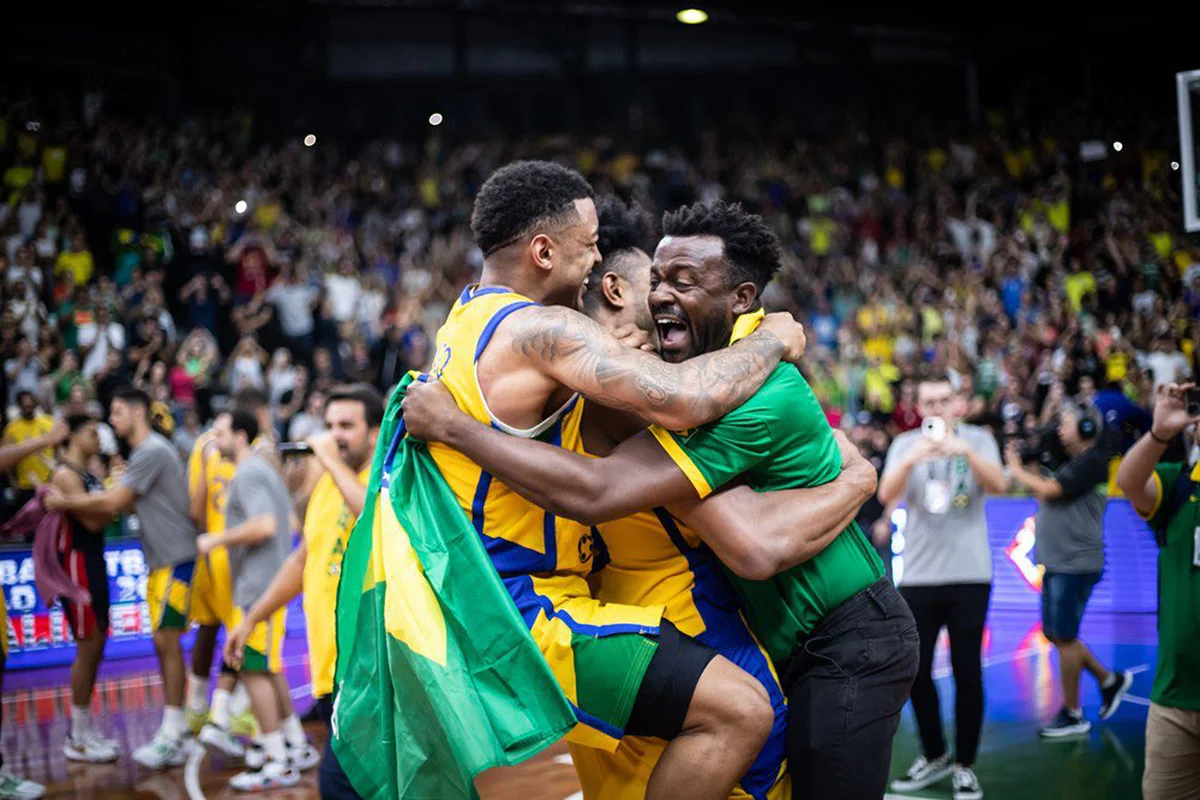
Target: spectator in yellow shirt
<point>34,469</point>
<point>77,261</point>
<point>1079,283</point>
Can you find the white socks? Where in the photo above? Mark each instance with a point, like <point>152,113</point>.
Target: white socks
<point>174,724</point>
<point>81,721</point>
<point>239,700</point>
<point>197,694</point>
<point>219,714</point>
<point>293,732</point>
<point>272,745</point>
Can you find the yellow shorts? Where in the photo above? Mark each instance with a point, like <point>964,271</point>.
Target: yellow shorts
<point>169,595</point>
<point>212,597</point>
<point>264,646</point>
<point>623,775</point>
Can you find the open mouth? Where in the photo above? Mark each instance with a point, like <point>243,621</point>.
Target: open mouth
<point>672,331</point>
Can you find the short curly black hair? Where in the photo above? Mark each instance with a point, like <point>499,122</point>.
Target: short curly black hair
<point>751,248</point>
<point>623,228</point>
<point>522,196</point>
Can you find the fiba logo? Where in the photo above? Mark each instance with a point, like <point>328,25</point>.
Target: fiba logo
<point>440,362</point>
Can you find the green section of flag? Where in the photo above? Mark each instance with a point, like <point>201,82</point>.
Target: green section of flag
<point>437,676</point>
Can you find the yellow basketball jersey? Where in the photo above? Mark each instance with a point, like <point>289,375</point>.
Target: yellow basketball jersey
<point>654,558</point>
<point>327,525</point>
<point>206,464</point>
<point>544,560</point>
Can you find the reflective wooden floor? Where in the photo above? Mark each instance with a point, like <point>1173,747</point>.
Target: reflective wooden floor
<point>1020,676</point>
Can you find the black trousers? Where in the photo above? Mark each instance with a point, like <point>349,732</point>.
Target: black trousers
<point>962,609</point>
<point>846,686</point>
<point>332,781</point>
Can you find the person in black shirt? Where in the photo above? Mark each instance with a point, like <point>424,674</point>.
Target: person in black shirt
<point>81,553</point>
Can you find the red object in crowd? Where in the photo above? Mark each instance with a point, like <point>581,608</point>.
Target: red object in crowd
<point>183,388</point>
<point>906,418</point>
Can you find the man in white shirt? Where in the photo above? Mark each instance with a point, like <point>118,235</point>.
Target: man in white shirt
<point>1166,363</point>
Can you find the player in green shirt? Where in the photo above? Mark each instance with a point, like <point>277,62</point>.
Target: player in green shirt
<point>842,639</point>
<point>1168,497</point>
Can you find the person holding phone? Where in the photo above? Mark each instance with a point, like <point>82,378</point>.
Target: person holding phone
<point>1166,496</point>
<point>942,472</point>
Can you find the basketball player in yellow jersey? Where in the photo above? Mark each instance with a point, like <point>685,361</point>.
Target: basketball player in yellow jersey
<point>516,355</point>
<point>212,600</point>
<point>653,557</point>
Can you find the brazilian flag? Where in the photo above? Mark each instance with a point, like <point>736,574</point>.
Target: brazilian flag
<point>437,676</point>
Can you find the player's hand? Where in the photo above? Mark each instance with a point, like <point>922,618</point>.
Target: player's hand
<point>785,328</point>
<point>324,447</point>
<point>235,645</point>
<point>206,543</point>
<point>632,336</point>
<point>1012,456</point>
<point>881,532</point>
<point>1170,410</point>
<point>116,467</point>
<point>955,445</point>
<point>926,449</point>
<point>430,413</point>
<point>53,499</point>
<point>59,433</point>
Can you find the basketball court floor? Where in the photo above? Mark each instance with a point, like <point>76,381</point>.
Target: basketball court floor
<point>1020,679</point>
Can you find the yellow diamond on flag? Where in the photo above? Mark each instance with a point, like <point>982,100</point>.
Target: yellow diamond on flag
<point>411,610</point>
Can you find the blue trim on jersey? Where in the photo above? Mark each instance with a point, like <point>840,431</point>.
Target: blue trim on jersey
<point>727,633</point>
<point>606,728</point>
<point>184,571</point>
<point>494,322</point>
<point>529,602</point>
<point>479,503</point>
<point>471,292</point>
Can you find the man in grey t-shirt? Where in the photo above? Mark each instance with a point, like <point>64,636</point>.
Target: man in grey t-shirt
<point>1070,545</point>
<point>942,472</point>
<point>258,535</point>
<point>155,486</point>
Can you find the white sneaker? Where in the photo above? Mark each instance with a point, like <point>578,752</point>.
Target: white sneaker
<point>272,775</point>
<point>221,739</point>
<point>966,785</point>
<point>303,757</point>
<point>13,787</point>
<point>90,748</point>
<point>923,773</point>
<point>161,752</point>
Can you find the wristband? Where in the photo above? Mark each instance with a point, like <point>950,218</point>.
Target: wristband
<point>1156,437</point>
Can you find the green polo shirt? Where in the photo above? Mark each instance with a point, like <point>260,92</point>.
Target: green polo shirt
<point>780,439</point>
<point>1177,675</point>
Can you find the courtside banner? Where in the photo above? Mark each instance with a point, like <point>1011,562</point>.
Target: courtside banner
<point>437,675</point>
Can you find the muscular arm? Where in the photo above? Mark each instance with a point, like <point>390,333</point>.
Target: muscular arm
<point>580,354</point>
<point>118,499</point>
<point>253,531</point>
<point>761,534</point>
<point>11,454</point>
<point>1135,476</point>
<point>198,484</point>
<point>346,480</point>
<point>1041,487</point>
<point>637,476</point>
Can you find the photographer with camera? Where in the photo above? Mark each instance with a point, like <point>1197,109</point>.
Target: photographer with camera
<point>942,472</point>
<point>1070,547</point>
<point>1168,497</point>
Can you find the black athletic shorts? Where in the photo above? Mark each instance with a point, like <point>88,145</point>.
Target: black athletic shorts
<point>666,692</point>
<point>81,554</point>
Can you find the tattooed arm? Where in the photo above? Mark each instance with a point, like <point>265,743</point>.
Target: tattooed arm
<point>579,353</point>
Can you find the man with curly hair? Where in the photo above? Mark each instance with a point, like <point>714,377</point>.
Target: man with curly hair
<point>515,355</point>
<point>838,633</point>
